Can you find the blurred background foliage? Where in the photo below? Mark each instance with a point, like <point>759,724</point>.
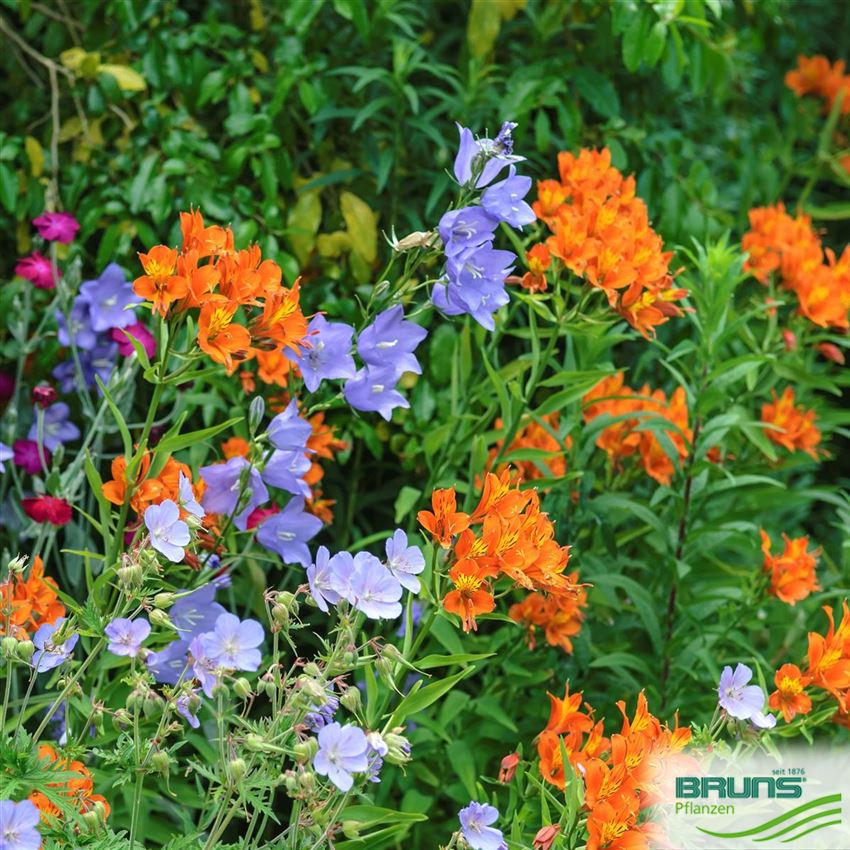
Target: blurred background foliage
<point>317,127</point>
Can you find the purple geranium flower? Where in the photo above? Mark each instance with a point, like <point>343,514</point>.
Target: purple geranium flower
<point>6,453</point>
<point>404,562</point>
<point>167,665</point>
<point>222,492</point>
<point>37,269</point>
<point>233,643</point>
<point>475,822</point>
<point>49,654</point>
<point>329,577</point>
<point>19,825</point>
<point>57,427</point>
<point>322,712</point>
<point>736,697</point>
<point>484,157</point>
<point>286,470</point>
<point>169,534</point>
<point>468,227</point>
<point>76,328</point>
<point>107,297</point>
<point>328,355</point>
<point>375,590</point>
<point>390,340</point>
<point>288,431</point>
<point>288,531</point>
<point>28,458</point>
<point>204,669</point>
<point>126,636</point>
<point>342,752</point>
<point>185,703</point>
<point>57,227</point>
<point>504,200</point>
<point>196,612</point>
<point>100,362</point>
<point>373,390</point>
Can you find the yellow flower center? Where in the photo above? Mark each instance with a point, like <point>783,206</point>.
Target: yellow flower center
<point>467,583</point>
<point>790,687</point>
<point>220,319</point>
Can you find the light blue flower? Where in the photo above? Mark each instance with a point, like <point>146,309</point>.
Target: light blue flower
<point>168,533</point>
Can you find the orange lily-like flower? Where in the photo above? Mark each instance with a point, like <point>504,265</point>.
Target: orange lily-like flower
<point>564,714</point>
<point>159,284</point>
<point>471,595</point>
<point>613,826</point>
<point>793,427</point>
<point>790,696</point>
<point>829,655</point>
<point>545,837</point>
<point>444,520</point>
<point>792,574</point>
<point>219,336</point>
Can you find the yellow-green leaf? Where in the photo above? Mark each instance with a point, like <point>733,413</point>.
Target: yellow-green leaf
<point>482,28</point>
<point>125,76</point>
<point>303,224</point>
<point>35,154</point>
<point>333,244</point>
<point>362,226</point>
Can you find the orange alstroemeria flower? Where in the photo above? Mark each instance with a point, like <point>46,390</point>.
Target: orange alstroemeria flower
<point>829,655</point>
<point>235,447</point>
<point>790,696</point>
<point>160,284</point>
<point>613,826</point>
<point>564,714</point>
<point>471,595</point>
<point>792,574</point>
<point>282,324</point>
<point>224,340</point>
<point>206,241</point>
<point>538,259</point>
<point>793,426</point>
<point>444,520</point>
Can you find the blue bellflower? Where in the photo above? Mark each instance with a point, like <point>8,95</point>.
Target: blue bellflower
<point>327,353</point>
<point>288,531</point>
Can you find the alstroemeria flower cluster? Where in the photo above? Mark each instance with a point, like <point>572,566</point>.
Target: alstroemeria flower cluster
<point>362,580</point>
<point>793,573</point>
<point>26,604</point>
<point>474,279</point>
<point>818,76</point>
<point>621,774</point>
<point>788,247</point>
<point>536,435</point>
<point>506,535</point>
<point>603,235</point>
<point>101,315</point>
<point>244,311</point>
<point>77,789</point>
<point>792,426</point>
<point>624,438</point>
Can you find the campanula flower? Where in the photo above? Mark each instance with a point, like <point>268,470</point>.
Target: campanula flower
<point>127,636</point>
<point>186,498</point>
<point>19,825</point>
<point>140,333</point>
<point>475,822</point>
<point>57,227</point>
<point>100,362</point>
<point>48,654</point>
<point>328,576</point>
<point>289,431</point>
<point>27,456</point>
<point>328,355</point>
<point>390,341</point>
<point>38,270</point>
<point>288,531</point>
<point>468,227</point>
<point>196,612</point>
<point>57,427</point>
<point>342,752</point>
<point>76,328</point>
<point>233,643</point>
<point>404,562</point>
<point>743,701</point>
<point>223,483</point>
<point>107,297</point>
<point>169,534</point>
<point>286,470</point>
<point>484,158</point>
<point>7,453</point>
<point>375,590</point>
<point>167,665</point>
<point>504,200</point>
<point>373,390</point>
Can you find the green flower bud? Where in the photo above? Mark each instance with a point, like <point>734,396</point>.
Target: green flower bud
<point>93,822</point>
<point>160,618</point>
<point>352,700</point>
<point>9,647</point>
<point>164,600</point>
<point>313,670</point>
<point>121,720</point>
<point>161,762</point>
<point>26,648</point>
<point>152,705</point>
<point>242,687</point>
<point>280,615</point>
<point>237,769</point>
<point>391,653</point>
<point>305,750</point>
<point>351,829</point>
<point>399,747</point>
<point>254,742</point>
<point>290,782</point>
<point>307,780</point>
<point>130,576</point>
<point>349,659</point>
<point>256,412</point>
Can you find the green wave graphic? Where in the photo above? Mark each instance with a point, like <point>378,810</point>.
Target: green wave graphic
<point>823,814</point>
<point>813,829</point>
<point>777,821</point>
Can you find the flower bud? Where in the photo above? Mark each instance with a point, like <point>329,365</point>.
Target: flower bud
<point>391,653</point>
<point>280,615</point>
<point>311,688</point>
<point>220,690</point>
<point>398,747</point>
<point>417,239</point>
<point>290,781</point>
<point>305,750</point>
<point>9,647</point>
<point>352,700</point>
<point>130,576</point>
<point>351,829</point>
<point>43,395</point>
<point>18,564</point>
<point>92,821</point>
<point>160,618</point>
<point>254,742</point>
<point>313,669</point>
<point>26,648</point>
<point>256,412</point>
<point>242,687</point>
<point>164,600</point>
<point>161,762</point>
<point>237,769</point>
<point>307,780</point>
<point>152,704</point>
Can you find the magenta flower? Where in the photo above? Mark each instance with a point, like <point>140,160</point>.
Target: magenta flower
<point>38,270</point>
<point>342,752</point>
<point>27,456</point>
<point>57,226</point>
<point>169,534</point>
<point>140,333</point>
<point>233,643</point>
<point>126,636</point>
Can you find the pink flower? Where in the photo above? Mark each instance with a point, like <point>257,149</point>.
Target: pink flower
<point>47,509</point>
<point>139,332</point>
<point>36,268</point>
<point>7,387</point>
<point>57,226</point>
<point>26,456</point>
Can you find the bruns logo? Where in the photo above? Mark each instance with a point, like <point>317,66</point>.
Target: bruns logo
<point>739,788</point>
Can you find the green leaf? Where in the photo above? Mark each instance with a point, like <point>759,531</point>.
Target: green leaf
<point>176,442</point>
<point>634,42</point>
<point>598,91</point>
<point>141,184</point>
<point>430,661</point>
<point>126,439</point>
<point>8,187</point>
<point>420,698</point>
<point>406,501</point>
